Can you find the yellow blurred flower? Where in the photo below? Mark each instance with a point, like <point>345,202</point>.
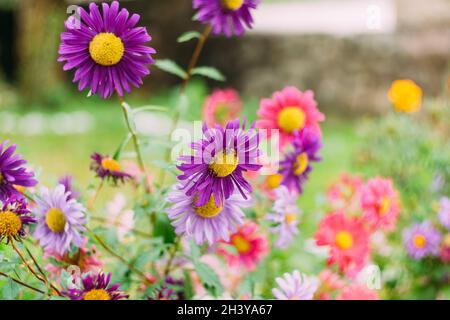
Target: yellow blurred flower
<point>406,96</point>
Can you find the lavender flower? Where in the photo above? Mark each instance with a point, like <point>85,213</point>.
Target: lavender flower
<point>295,286</point>
<point>422,240</point>
<point>444,212</point>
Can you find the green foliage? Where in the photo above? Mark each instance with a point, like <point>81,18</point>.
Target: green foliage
<point>209,72</point>
<point>171,67</point>
<point>187,36</point>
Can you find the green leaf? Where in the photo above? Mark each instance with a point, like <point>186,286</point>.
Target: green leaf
<point>187,36</point>
<point>209,72</point>
<point>209,279</point>
<point>149,108</point>
<point>121,147</point>
<point>130,117</point>
<point>10,290</point>
<point>171,67</point>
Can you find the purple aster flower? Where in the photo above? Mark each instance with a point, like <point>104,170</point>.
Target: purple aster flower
<point>14,215</point>
<point>208,223</point>
<point>219,160</point>
<point>108,51</point>
<point>60,220</point>
<point>226,16</point>
<point>444,212</point>
<point>285,217</point>
<point>422,240</point>
<point>67,182</point>
<point>295,286</point>
<point>163,293</point>
<point>108,168</point>
<point>12,172</point>
<point>96,287</point>
<point>297,164</point>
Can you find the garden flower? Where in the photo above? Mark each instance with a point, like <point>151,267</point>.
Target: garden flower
<point>135,171</point>
<point>406,96</point>
<point>67,182</point>
<point>13,175</point>
<point>226,16</point>
<point>14,216</point>
<point>345,192</point>
<point>422,240</point>
<point>60,220</point>
<point>285,216</point>
<point>221,106</point>
<point>288,111</point>
<point>347,239</point>
<point>118,217</point>
<point>108,51</point>
<point>295,286</point>
<point>444,212</point>
<point>209,222</point>
<point>96,287</point>
<point>380,204</point>
<point>249,247</point>
<point>357,292</point>
<point>163,294</point>
<point>220,158</point>
<point>445,249</point>
<point>329,282</point>
<point>297,164</point>
<point>108,168</point>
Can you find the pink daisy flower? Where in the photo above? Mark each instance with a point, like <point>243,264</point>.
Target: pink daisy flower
<point>380,204</point>
<point>221,106</point>
<point>347,239</point>
<point>357,292</point>
<point>345,192</point>
<point>329,282</point>
<point>245,248</point>
<point>288,111</point>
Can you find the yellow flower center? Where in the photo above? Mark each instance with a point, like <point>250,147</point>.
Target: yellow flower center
<point>274,181</point>
<point>97,294</point>
<point>232,4</point>
<point>291,118</point>
<point>208,210</point>
<point>384,207</point>
<point>419,241</point>
<point>55,219</point>
<point>344,240</point>
<point>405,95</point>
<point>241,244</point>
<point>21,189</point>
<point>224,164</point>
<point>106,49</point>
<point>301,164</point>
<point>110,164</point>
<point>290,218</point>
<point>10,224</point>
<point>294,297</point>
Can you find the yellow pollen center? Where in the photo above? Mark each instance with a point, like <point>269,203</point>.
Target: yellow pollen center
<point>294,297</point>
<point>224,164</point>
<point>232,4</point>
<point>301,164</point>
<point>55,219</point>
<point>10,224</point>
<point>97,294</point>
<point>290,218</point>
<point>106,49</point>
<point>419,241</point>
<point>291,118</point>
<point>344,240</point>
<point>384,207</point>
<point>110,164</point>
<point>21,189</point>
<point>274,181</point>
<point>241,244</point>
<point>209,210</point>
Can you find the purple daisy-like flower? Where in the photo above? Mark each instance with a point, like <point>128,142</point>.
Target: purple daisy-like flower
<point>67,182</point>
<point>219,160</point>
<point>444,212</point>
<point>226,16</point>
<point>209,222</point>
<point>12,173</point>
<point>295,286</point>
<point>108,168</point>
<point>285,217</point>
<point>297,164</point>
<point>14,216</point>
<point>422,240</point>
<point>60,220</point>
<point>96,287</point>
<point>107,50</point>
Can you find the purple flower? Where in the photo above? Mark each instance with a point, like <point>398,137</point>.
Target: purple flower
<point>208,223</point>
<point>444,212</point>
<point>422,240</point>
<point>297,164</point>
<point>60,220</point>
<point>295,286</point>
<point>227,16</point>
<point>14,215</point>
<point>108,51</point>
<point>12,173</point>
<point>219,160</point>
<point>96,287</point>
<point>108,168</point>
<point>163,293</point>
<point>67,182</point>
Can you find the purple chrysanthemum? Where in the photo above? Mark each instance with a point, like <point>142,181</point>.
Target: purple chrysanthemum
<point>219,160</point>
<point>96,287</point>
<point>208,223</point>
<point>295,286</point>
<point>285,217</point>
<point>444,212</point>
<point>108,168</point>
<point>422,240</point>
<point>108,51</point>
<point>226,16</point>
<point>60,220</point>
<point>14,215</point>
<point>297,164</point>
<point>67,182</point>
<point>12,173</point>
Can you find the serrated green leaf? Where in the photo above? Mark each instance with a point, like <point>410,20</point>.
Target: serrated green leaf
<point>187,36</point>
<point>171,67</point>
<point>209,72</point>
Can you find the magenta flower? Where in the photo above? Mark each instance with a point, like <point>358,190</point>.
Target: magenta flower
<point>14,216</point>
<point>96,287</point>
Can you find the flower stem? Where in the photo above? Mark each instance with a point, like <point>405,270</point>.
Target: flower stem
<point>172,257</point>
<point>95,195</point>
<point>22,283</point>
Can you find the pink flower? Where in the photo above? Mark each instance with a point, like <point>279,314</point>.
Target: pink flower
<point>330,281</point>
<point>345,192</point>
<point>289,110</point>
<point>245,248</point>
<point>133,169</point>
<point>357,292</point>
<point>222,106</point>
<point>118,217</point>
<point>445,249</point>
<point>347,239</point>
<point>380,204</point>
